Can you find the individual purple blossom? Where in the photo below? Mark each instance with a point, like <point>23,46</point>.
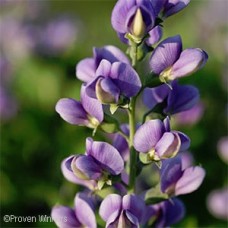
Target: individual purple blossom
<point>179,180</point>
<point>101,160</point>
<point>165,213</point>
<point>134,17</point>
<point>82,215</point>
<point>122,212</point>
<point>86,68</point>
<point>157,140</point>
<point>217,202</point>
<point>170,62</point>
<point>114,82</point>
<point>222,148</point>
<point>178,99</point>
<point>87,112</point>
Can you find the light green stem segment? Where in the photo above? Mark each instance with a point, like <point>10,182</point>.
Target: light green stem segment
<point>133,153</point>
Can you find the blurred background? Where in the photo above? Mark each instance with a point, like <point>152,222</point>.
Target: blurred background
<point>41,42</point>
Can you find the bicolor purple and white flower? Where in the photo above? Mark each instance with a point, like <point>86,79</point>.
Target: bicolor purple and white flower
<point>114,82</point>
<point>180,98</point>
<point>135,18</point>
<point>158,142</point>
<point>165,213</point>
<point>66,217</point>
<point>100,162</point>
<point>86,68</point>
<point>87,112</point>
<point>170,62</point>
<point>122,212</point>
<point>179,180</point>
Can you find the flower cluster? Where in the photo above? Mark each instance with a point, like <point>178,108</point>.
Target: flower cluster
<point>112,84</point>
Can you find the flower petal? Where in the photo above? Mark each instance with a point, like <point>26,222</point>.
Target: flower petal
<point>154,96</point>
<point>69,175</point>
<point>87,166</point>
<point>190,60</point>
<point>174,6</point>
<point>147,136</point>
<point>181,98</point>
<point>135,205</point>
<point>168,146</point>
<point>112,203</point>
<point>166,54</point>
<point>85,70</point>
<point>91,105</point>
<point>119,14</point>
<point>126,79</point>
<point>110,53</point>
<point>108,156</point>
<point>190,181</point>
<point>81,206</point>
<point>71,111</point>
<point>185,141</point>
<point>154,35</point>
<point>104,68</point>
<point>64,217</point>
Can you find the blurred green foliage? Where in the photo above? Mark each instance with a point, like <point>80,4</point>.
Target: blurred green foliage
<point>36,140</point>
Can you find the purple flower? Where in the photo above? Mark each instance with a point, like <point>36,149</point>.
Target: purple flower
<point>154,35</point>
<point>170,62</point>
<point>156,140</point>
<point>173,6</point>
<point>180,98</point>
<point>217,202</point>
<point>114,82</point>
<point>82,215</point>
<point>86,68</point>
<point>222,147</point>
<point>88,112</point>
<point>166,213</point>
<point>178,180</point>
<point>135,18</point>
<point>100,161</point>
<point>122,212</point>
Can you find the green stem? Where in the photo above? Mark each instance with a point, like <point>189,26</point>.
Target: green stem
<point>133,153</point>
<point>145,115</point>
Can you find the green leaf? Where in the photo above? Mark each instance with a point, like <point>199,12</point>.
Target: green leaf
<point>154,195</point>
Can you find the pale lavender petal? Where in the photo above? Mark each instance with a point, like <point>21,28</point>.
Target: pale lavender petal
<point>89,143</point>
<point>69,175</point>
<point>88,166</point>
<point>111,204</point>
<point>181,98</point>
<point>135,205</point>
<point>190,181</point>
<point>64,217</point>
<point>147,136</point>
<point>110,53</point>
<point>170,173</point>
<point>174,6</point>
<point>120,143</point>
<point>119,14</point>
<point>154,35</point>
<point>85,70</point>
<point>90,88</point>
<point>71,111</point>
<point>132,219</point>
<point>222,148</point>
<point>113,220</point>
<point>104,68</point>
<point>126,79</point>
<point>185,141</point>
<point>190,60</point>
<point>108,157</point>
<point>166,54</point>
<point>92,106</point>
<point>217,202</point>
<point>153,96</point>
<point>168,145</point>
<point>187,159</point>
<point>84,212</point>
